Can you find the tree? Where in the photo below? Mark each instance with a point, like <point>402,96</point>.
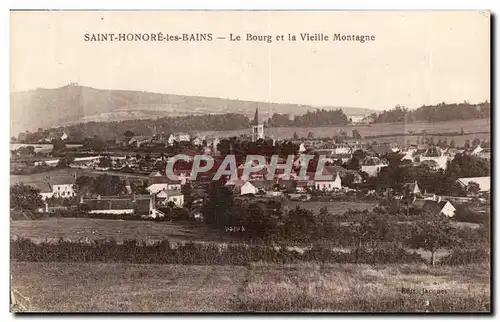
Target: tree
<point>467,145</point>
<point>432,233</point>
<point>310,135</point>
<point>452,144</point>
<point>187,191</point>
<point>84,184</point>
<point>128,134</point>
<point>295,136</point>
<point>215,207</point>
<point>356,135</point>
<point>107,185</point>
<point>58,146</point>
<point>65,162</point>
<point>139,189</point>
<point>24,197</point>
<point>473,188</point>
<point>105,162</point>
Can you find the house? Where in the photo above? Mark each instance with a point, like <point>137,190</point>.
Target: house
<point>437,207</point>
<point>184,137</point>
<point>367,120</point>
<point>44,187</point>
<point>159,183</point>
<point>381,150</point>
<point>372,166</point>
<point>329,185</point>
<point>483,182</point>
<point>64,136</point>
<point>412,188</point>
<point>137,140</point>
<point>235,185</point>
<point>198,140</point>
<point>264,185</point>
<point>171,139</point>
<point>334,148</point>
<point>475,151</point>
<point>248,188</point>
<point>437,155</point>
<point>137,204</point>
<point>62,186</point>
<point>430,164</point>
<point>165,196</point>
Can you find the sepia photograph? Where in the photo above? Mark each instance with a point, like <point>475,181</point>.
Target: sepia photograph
<point>250,161</point>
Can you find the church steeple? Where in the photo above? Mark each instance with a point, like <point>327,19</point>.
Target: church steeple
<point>257,128</point>
<point>256,117</point>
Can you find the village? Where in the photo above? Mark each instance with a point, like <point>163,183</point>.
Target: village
<point>351,166</point>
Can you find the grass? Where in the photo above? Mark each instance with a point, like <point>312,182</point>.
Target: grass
<point>67,172</point>
<point>89,228</point>
<point>98,287</point>
<point>335,208</point>
<point>469,126</point>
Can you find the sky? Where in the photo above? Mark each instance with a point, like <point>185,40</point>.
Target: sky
<point>417,58</point>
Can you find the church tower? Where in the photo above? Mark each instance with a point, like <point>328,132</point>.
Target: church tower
<point>257,128</point>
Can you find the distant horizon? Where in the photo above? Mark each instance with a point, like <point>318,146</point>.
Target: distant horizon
<point>257,101</point>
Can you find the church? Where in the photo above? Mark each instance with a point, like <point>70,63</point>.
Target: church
<point>257,128</point>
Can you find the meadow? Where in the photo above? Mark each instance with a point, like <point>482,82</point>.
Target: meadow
<point>334,208</point>
<point>379,129</point>
<point>68,172</point>
<point>75,229</point>
<point>100,287</point>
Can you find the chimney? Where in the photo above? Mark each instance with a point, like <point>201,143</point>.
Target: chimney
<point>81,198</point>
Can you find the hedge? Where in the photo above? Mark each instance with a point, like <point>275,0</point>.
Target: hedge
<point>197,254</point>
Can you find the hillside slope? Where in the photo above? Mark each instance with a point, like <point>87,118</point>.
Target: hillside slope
<point>72,104</point>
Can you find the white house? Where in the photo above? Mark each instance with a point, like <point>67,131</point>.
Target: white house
<point>166,196</point>
<point>184,137</point>
<point>197,141</point>
<point>140,204</point>
<point>413,188</point>
<point>439,207</point>
<point>64,136</point>
<point>434,153</point>
<point>329,185</point>
<point>171,139</point>
<point>157,187</point>
<point>63,187</point>
<point>446,208</point>
<point>483,182</point>
<point>248,188</point>
<point>372,166</point>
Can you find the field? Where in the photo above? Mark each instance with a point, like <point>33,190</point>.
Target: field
<point>99,287</point>
<point>85,228</point>
<point>334,208</point>
<point>90,228</point>
<point>469,126</point>
<point>54,174</point>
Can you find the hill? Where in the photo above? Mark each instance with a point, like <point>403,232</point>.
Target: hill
<point>45,108</point>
